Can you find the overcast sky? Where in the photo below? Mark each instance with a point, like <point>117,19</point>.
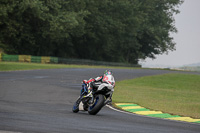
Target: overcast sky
<point>187,39</point>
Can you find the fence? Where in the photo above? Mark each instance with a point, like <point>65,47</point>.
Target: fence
<point>56,60</point>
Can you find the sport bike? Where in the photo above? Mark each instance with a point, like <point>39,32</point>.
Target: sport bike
<point>102,93</point>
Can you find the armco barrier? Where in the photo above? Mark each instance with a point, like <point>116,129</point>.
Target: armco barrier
<point>45,59</point>
<point>91,62</point>
<point>36,59</point>
<point>24,58</point>
<point>55,60</point>
<point>14,58</point>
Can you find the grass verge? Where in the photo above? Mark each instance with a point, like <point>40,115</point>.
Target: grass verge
<point>171,93</point>
<point>13,66</point>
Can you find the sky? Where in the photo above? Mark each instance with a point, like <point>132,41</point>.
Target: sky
<point>187,38</point>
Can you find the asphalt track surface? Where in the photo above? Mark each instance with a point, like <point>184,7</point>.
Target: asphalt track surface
<point>40,101</point>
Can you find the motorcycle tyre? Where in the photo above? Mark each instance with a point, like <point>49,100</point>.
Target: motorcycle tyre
<point>98,106</point>
<point>75,110</point>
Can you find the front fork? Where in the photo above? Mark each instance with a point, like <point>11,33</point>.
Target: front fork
<point>108,99</point>
<point>78,101</point>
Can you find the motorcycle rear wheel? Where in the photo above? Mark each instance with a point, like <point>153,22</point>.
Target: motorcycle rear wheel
<point>97,105</point>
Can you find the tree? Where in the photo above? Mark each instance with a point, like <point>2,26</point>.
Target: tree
<point>38,27</point>
<point>154,35</point>
<point>105,30</point>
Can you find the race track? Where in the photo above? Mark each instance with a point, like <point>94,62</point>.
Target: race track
<point>40,101</point>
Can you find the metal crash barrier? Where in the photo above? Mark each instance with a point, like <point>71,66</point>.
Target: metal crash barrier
<point>56,60</point>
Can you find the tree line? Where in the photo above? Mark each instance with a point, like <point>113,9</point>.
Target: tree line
<point>104,30</point>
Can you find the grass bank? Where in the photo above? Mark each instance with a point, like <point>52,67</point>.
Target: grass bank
<point>171,93</point>
<point>13,66</point>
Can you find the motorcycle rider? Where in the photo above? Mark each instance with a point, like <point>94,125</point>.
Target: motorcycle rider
<point>93,83</point>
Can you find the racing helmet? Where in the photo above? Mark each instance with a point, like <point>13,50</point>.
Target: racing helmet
<point>108,72</point>
<point>108,77</point>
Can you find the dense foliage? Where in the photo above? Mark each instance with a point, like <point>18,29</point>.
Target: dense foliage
<point>107,30</point>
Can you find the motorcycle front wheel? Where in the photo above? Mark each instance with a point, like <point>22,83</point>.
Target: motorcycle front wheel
<point>75,107</point>
<point>97,105</point>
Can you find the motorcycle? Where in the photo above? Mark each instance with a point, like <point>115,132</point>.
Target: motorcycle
<point>102,94</point>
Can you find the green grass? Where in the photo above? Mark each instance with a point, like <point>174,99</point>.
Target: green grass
<point>13,66</point>
<point>171,93</point>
